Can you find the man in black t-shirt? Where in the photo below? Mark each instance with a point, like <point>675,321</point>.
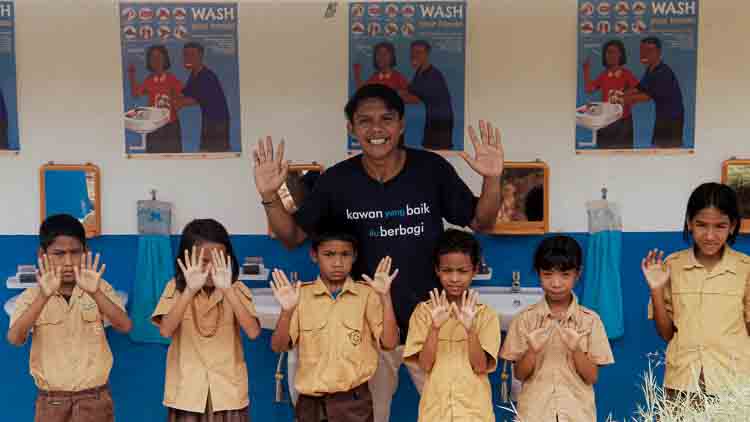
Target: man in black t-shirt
<point>394,200</point>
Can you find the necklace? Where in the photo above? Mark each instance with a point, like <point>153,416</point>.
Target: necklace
<point>212,332</point>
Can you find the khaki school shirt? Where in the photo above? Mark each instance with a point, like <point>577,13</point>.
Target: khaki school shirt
<point>197,364</point>
<point>554,389</point>
<point>709,311</point>
<point>69,349</point>
<point>338,339</point>
<point>453,392</point>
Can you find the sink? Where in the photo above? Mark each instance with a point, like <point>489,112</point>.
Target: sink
<point>144,120</point>
<point>505,302</point>
<point>508,303</point>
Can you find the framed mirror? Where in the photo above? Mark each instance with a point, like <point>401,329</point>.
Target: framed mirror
<point>299,183</point>
<point>72,189</point>
<point>736,174</point>
<point>524,205</point>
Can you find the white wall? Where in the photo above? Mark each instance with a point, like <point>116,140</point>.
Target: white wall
<point>294,72</point>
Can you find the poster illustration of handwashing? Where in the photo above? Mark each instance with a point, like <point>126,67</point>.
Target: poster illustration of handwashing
<point>419,50</point>
<point>9,141</point>
<point>180,79</point>
<point>636,75</point>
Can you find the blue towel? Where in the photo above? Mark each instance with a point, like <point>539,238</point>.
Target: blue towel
<point>602,289</point>
<point>155,269</point>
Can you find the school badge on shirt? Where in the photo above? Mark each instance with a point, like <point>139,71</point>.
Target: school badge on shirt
<point>355,337</point>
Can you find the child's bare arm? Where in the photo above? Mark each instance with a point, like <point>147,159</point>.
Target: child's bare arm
<point>113,313</point>
<point>536,341</point>
<point>248,322</point>
<point>382,286</point>
<point>221,274</point>
<point>281,341</point>
<point>19,331</point>
<point>440,312</point>
<point>478,358</point>
<point>524,367</point>
<point>657,273</point>
<point>171,321</point>
<point>429,350</point>
<point>587,370</point>
<point>288,297</point>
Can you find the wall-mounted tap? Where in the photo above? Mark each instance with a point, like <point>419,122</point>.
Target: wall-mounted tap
<point>515,285</point>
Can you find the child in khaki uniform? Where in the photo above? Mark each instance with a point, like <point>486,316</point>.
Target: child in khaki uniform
<point>700,298</point>
<point>339,326</point>
<point>70,359</point>
<point>557,345</point>
<point>454,339</point>
<point>202,310</point>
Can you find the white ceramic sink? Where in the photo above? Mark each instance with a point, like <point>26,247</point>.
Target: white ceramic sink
<point>506,303</point>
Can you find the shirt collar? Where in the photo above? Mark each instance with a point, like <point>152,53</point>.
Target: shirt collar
<point>320,288</point>
<point>728,263</point>
<point>569,314</point>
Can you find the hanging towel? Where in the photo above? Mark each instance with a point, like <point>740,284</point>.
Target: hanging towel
<point>154,270</point>
<point>602,288</point>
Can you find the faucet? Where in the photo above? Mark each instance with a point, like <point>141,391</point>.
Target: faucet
<point>515,285</point>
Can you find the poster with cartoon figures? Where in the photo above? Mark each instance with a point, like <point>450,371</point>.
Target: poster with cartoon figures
<point>181,79</point>
<point>9,141</point>
<point>636,75</point>
<point>419,50</point>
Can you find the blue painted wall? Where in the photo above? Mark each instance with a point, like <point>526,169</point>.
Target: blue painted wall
<point>138,374</point>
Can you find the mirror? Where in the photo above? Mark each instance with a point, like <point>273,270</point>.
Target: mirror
<point>72,189</point>
<point>300,181</point>
<point>736,174</point>
<point>524,205</point>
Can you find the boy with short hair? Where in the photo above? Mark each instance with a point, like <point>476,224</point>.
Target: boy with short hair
<point>339,326</point>
<point>70,358</point>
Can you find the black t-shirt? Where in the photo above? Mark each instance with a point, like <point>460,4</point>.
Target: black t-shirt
<point>401,218</point>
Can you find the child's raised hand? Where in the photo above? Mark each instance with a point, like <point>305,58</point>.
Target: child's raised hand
<point>440,308</point>
<point>195,277</point>
<point>654,269</point>
<point>571,338</point>
<point>383,280</point>
<point>285,293</point>
<point>538,338</point>
<point>221,269</point>
<point>49,277</point>
<point>468,309</point>
<point>89,274</point>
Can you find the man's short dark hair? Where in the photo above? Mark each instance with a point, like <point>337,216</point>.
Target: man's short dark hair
<point>653,41</point>
<point>195,45</point>
<point>60,225</point>
<point>422,43</point>
<point>389,96</point>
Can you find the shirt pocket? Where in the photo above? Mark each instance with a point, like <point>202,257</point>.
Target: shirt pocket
<point>49,317</point>
<point>724,303</point>
<point>312,331</point>
<point>352,334</point>
<point>92,328</point>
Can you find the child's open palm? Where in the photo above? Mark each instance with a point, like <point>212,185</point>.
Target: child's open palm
<point>468,309</point>
<point>221,269</point>
<point>538,338</point>
<point>654,269</point>
<point>285,293</point>
<point>440,308</point>
<point>383,280</point>
<point>570,337</point>
<point>89,275</point>
<point>49,276</point>
<point>195,276</point>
